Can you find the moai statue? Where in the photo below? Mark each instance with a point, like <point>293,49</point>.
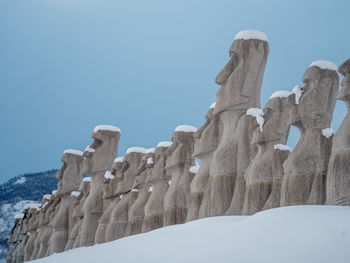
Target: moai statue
<point>15,239</point>
<point>178,164</point>
<point>31,224</point>
<point>78,215</point>
<point>118,221</point>
<point>69,179</point>
<point>159,180</point>
<point>305,169</point>
<point>264,174</point>
<point>142,185</point>
<point>99,158</point>
<point>240,81</point>
<point>52,211</point>
<point>206,141</point>
<point>75,197</point>
<point>110,197</point>
<point>44,220</point>
<point>338,176</point>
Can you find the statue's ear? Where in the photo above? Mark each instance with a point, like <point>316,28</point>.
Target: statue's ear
<point>222,77</point>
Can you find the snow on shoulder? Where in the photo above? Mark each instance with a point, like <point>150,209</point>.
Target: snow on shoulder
<point>280,94</point>
<point>54,192</point>
<point>194,169</point>
<point>185,128</point>
<point>109,175</point>
<point>259,115</point>
<point>118,160</point>
<point>107,128</point>
<point>328,132</point>
<point>89,149</point>
<point>212,106</point>
<point>282,147</point>
<point>47,196</point>
<point>251,34</point>
<point>74,152</point>
<point>136,150</point>
<point>298,92</point>
<point>87,179</point>
<point>75,193</point>
<point>164,144</point>
<point>324,64</point>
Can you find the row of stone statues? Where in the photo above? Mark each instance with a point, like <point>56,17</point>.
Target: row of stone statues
<point>245,165</point>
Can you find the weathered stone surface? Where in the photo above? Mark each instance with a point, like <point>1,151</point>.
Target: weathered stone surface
<point>119,215</point>
<point>305,169</point>
<point>31,223</point>
<point>99,158</point>
<point>338,176</point>
<point>69,180</point>
<point>178,163</point>
<point>240,81</point>
<point>206,141</point>
<point>263,175</point>
<point>154,208</point>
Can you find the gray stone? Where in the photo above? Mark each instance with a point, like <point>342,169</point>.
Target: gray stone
<point>240,81</point>
<point>305,169</point>
<point>99,158</point>
<point>338,176</point>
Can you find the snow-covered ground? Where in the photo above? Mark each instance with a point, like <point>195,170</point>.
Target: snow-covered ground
<point>290,234</point>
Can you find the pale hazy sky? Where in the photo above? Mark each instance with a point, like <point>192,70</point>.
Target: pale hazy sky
<point>144,66</point>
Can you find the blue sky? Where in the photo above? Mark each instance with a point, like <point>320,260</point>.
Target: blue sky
<point>144,66</point>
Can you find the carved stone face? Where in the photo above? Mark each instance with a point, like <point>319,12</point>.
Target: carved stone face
<point>207,137</point>
<point>318,100</point>
<point>241,78</point>
<point>85,188</point>
<point>69,175</point>
<point>344,93</point>
<point>100,155</point>
<point>275,128</point>
<point>181,150</point>
<point>110,185</point>
<point>143,170</point>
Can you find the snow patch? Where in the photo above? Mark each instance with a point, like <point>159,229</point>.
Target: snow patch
<point>150,161</point>
<point>136,150</point>
<point>107,128</point>
<point>109,175</point>
<point>74,152</point>
<point>259,115</point>
<point>87,179</point>
<point>75,193</point>
<point>280,94</point>
<point>89,149</point>
<point>164,144</point>
<point>324,64</point>
<point>212,106</point>
<point>150,189</point>
<point>282,147</point>
<point>150,150</point>
<point>118,160</point>
<point>32,205</point>
<point>298,92</point>
<point>251,34</point>
<point>135,190</point>
<point>54,192</point>
<point>185,128</point>
<point>21,180</point>
<point>328,132</point>
<point>47,196</point>
<point>194,169</point>
<point>19,216</point>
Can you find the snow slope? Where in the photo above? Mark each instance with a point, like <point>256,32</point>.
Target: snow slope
<point>289,235</point>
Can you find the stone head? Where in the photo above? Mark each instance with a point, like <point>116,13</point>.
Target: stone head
<point>207,136</point>
<point>241,78</point>
<point>84,187</point>
<point>275,127</point>
<point>69,175</point>
<point>109,185</point>
<point>344,93</point>
<point>320,89</point>
<point>180,152</point>
<point>100,155</point>
<point>143,171</point>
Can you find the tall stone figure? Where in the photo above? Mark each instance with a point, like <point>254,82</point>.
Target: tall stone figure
<point>69,180</point>
<point>264,174</point>
<point>304,180</point>
<point>31,224</point>
<point>44,220</point>
<point>179,161</point>
<point>154,208</point>
<point>52,210</point>
<point>142,185</point>
<point>99,158</point>
<point>206,141</point>
<point>110,196</point>
<point>119,215</point>
<point>240,81</point>
<point>338,176</point>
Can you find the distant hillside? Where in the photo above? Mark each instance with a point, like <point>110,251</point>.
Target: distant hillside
<point>16,193</point>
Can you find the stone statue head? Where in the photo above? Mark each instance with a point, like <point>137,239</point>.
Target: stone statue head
<point>84,187</point>
<point>241,78</point>
<point>145,166</point>
<point>275,127</point>
<point>320,89</point>
<point>344,93</point>
<point>69,175</point>
<point>207,136</point>
<point>100,155</point>
<point>109,183</point>
<point>128,171</point>
<point>180,152</point>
